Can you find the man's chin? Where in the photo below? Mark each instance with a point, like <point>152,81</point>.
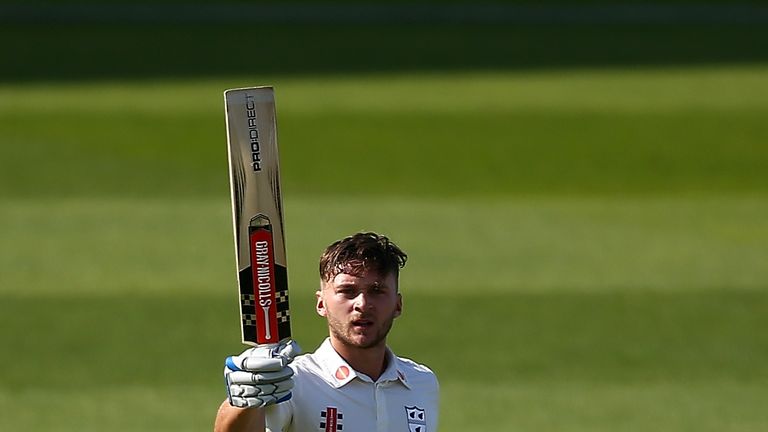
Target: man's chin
<point>363,341</point>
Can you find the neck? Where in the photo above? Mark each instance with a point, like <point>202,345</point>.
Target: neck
<point>370,361</point>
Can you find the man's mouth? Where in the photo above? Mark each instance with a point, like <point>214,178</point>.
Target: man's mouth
<point>362,323</point>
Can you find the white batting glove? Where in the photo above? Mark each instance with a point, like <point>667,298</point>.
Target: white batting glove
<point>260,376</point>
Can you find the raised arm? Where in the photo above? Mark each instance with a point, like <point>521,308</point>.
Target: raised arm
<point>257,378</point>
<point>233,419</point>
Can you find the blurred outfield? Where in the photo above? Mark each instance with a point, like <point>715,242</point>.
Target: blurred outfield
<point>584,208</point>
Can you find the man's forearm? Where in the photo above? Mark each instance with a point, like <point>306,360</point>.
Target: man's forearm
<point>232,419</point>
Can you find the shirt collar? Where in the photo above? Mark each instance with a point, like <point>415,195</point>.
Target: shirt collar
<point>339,372</point>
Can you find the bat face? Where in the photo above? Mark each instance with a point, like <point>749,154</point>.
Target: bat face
<point>257,214</point>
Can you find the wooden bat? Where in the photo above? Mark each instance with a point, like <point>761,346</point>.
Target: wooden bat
<point>257,214</point>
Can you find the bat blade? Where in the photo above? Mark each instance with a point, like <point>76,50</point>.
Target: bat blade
<point>257,215</point>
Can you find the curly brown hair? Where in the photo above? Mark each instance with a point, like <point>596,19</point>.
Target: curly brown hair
<point>359,253</point>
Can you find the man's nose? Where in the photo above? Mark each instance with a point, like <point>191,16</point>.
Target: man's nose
<point>362,302</point>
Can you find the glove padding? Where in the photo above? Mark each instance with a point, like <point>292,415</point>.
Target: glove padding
<point>260,376</point>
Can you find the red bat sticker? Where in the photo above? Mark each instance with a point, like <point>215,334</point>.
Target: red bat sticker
<point>263,270</point>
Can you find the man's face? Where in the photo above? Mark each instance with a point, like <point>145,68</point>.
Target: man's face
<point>360,309</point>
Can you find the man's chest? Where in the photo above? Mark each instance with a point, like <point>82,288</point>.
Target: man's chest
<point>362,407</point>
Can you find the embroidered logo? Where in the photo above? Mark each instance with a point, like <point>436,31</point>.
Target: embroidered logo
<point>342,373</point>
<point>331,420</point>
<point>417,419</point>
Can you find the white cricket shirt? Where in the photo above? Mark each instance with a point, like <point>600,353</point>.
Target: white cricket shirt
<point>330,396</point>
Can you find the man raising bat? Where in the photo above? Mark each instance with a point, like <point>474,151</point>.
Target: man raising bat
<point>353,381</point>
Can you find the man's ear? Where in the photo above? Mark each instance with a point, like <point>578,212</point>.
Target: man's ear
<point>399,305</point>
<point>320,305</point>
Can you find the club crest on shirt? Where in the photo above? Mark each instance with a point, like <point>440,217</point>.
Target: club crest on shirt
<point>417,419</point>
<point>331,419</point>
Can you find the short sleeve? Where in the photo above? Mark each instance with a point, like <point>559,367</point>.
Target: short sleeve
<point>278,417</point>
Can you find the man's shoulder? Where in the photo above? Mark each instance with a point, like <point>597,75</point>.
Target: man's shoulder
<point>416,373</point>
<point>413,366</point>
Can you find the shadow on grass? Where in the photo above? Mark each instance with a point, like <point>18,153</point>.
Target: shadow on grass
<point>63,52</point>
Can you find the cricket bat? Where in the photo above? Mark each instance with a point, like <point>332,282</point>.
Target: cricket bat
<point>257,215</point>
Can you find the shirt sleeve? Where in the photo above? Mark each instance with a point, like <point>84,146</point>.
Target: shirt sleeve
<point>278,417</point>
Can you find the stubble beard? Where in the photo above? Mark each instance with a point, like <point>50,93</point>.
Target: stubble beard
<point>344,333</point>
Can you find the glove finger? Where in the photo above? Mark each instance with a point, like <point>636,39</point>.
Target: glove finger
<point>275,398</point>
<point>243,377</point>
<point>244,390</point>
<point>233,363</point>
<point>255,363</point>
<point>238,402</point>
<point>258,364</point>
<point>289,350</point>
<point>283,386</point>
<point>246,402</point>
<point>259,401</point>
<point>283,396</point>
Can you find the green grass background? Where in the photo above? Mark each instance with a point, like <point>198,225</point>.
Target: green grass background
<point>587,231</point>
